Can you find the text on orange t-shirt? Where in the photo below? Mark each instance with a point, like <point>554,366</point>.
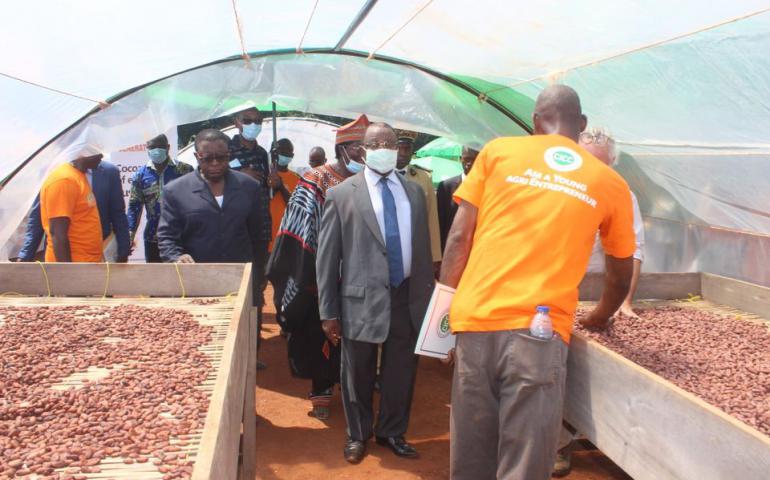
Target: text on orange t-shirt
<point>66,193</point>
<point>540,201</point>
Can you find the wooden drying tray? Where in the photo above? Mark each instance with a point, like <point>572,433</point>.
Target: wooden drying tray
<point>232,384</point>
<point>647,425</point>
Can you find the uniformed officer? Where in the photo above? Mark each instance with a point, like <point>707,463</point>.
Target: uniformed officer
<point>421,177</point>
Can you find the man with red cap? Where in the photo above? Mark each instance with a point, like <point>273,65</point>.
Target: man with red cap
<point>291,268</point>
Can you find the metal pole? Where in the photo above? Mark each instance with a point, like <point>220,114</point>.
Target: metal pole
<point>355,24</point>
<point>274,146</point>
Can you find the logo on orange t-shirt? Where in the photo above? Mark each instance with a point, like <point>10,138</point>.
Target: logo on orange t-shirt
<point>563,159</point>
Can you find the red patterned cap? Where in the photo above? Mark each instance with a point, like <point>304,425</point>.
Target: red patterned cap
<point>353,131</point>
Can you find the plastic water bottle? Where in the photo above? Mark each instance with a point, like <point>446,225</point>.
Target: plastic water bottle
<point>541,324</point>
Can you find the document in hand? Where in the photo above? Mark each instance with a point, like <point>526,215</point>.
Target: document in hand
<point>436,338</point>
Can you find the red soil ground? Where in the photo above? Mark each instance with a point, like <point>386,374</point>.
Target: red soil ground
<point>293,445</point>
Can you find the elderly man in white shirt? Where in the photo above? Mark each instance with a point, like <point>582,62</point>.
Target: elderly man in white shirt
<point>599,143</point>
<point>602,146</point>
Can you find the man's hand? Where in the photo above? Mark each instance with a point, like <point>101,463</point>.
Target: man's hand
<point>450,358</point>
<point>626,310</point>
<point>332,330</point>
<point>596,321</point>
<point>274,181</point>
<point>185,258</point>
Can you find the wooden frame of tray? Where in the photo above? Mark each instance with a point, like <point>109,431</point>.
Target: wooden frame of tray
<point>647,425</point>
<point>232,410</point>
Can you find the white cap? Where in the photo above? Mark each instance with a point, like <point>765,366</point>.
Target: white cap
<point>78,150</point>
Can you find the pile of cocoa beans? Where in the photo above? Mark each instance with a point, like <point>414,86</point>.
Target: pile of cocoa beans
<point>144,411</point>
<point>723,359</point>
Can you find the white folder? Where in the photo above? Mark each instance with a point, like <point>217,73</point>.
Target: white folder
<point>436,338</point>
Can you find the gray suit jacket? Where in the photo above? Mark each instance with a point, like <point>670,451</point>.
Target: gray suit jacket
<point>352,264</point>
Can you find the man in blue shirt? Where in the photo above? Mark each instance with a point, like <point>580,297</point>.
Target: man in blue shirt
<point>108,190</point>
<point>146,190</point>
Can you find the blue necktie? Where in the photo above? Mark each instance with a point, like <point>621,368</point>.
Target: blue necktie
<point>392,236</point>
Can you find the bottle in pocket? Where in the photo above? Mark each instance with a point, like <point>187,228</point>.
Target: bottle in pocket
<point>541,326</point>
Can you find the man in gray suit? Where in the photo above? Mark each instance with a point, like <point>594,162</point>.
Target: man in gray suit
<point>375,278</point>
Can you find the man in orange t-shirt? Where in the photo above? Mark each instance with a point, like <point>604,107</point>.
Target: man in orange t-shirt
<point>529,212</point>
<point>68,210</point>
<point>282,181</point>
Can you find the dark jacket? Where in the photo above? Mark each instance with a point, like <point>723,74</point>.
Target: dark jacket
<point>447,208</point>
<point>192,222</point>
<point>108,191</point>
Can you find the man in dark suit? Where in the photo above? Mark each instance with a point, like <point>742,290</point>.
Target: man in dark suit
<point>214,214</point>
<point>108,191</point>
<point>446,190</point>
<point>375,278</point>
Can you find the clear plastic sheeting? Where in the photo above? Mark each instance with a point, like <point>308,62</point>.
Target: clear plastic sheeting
<point>722,191</point>
<point>690,227</point>
<point>518,40</point>
<point>683,86</point>
<point>687,247</point>
<point>338,85</point>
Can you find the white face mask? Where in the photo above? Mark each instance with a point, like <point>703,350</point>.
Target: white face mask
<point>382,160</point>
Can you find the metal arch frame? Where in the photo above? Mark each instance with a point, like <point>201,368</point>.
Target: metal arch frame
<point>360,17</point>
<point>288,51</point>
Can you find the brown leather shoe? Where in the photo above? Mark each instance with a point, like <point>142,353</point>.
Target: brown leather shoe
<point>355,451</point>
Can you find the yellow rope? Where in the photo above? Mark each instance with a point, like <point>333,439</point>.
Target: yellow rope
<point>45,274</point>
<point>14,294</point>
<point>181,283</point>
<point>307,26</point>
<point>239,29</point>
<point>102,104</point>
<point>106,283</point>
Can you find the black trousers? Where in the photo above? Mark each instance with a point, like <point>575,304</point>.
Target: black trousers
<point>397,373</point>
<point>151,252</point>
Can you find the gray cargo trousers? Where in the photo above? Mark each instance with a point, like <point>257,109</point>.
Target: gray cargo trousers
<point>507,398</point>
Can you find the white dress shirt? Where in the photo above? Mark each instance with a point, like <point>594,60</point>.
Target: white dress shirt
<point>403,211</point>
<point>596,263</point>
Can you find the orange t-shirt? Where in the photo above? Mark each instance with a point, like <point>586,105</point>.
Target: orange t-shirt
<point>540,201</point>
<point>66,193</point>
<point>278,205</point>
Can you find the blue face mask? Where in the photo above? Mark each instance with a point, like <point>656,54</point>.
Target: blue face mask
<point>157,155</point>
<point>354,167</point>
<point>251,130</point>
<point>284,161</point>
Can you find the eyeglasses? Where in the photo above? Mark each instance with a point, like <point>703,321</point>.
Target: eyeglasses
<point>249,121</point>
<point>378,145</point>
<point>596,138</point>
<point>224,158</point>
